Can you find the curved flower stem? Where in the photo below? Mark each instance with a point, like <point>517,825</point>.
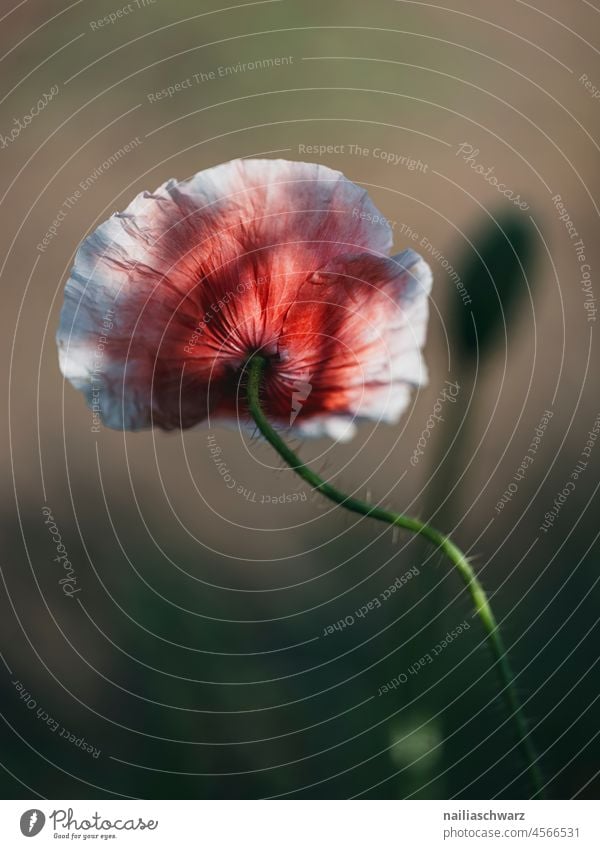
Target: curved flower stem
<point>255,370</point>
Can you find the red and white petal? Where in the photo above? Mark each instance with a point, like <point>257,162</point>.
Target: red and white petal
<point>355,334</point>
<point>227,249</point>
<point>338,428</point>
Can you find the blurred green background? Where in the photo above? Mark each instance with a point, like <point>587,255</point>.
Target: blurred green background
<point>194,657</point>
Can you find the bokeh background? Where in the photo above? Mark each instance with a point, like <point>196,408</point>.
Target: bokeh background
<point>193,658</point>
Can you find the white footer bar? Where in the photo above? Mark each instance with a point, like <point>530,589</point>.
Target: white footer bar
<point>301,824</point>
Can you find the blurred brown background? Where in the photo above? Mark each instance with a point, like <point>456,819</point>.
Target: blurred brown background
<point>193,657</point>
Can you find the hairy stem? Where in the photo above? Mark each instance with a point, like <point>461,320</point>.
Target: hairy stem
<point>255,370</point>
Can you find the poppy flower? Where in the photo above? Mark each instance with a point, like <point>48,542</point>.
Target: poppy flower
<point>168,300</point>
<point>277,273</point>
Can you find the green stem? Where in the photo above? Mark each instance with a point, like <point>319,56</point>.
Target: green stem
<point>256,368</point>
